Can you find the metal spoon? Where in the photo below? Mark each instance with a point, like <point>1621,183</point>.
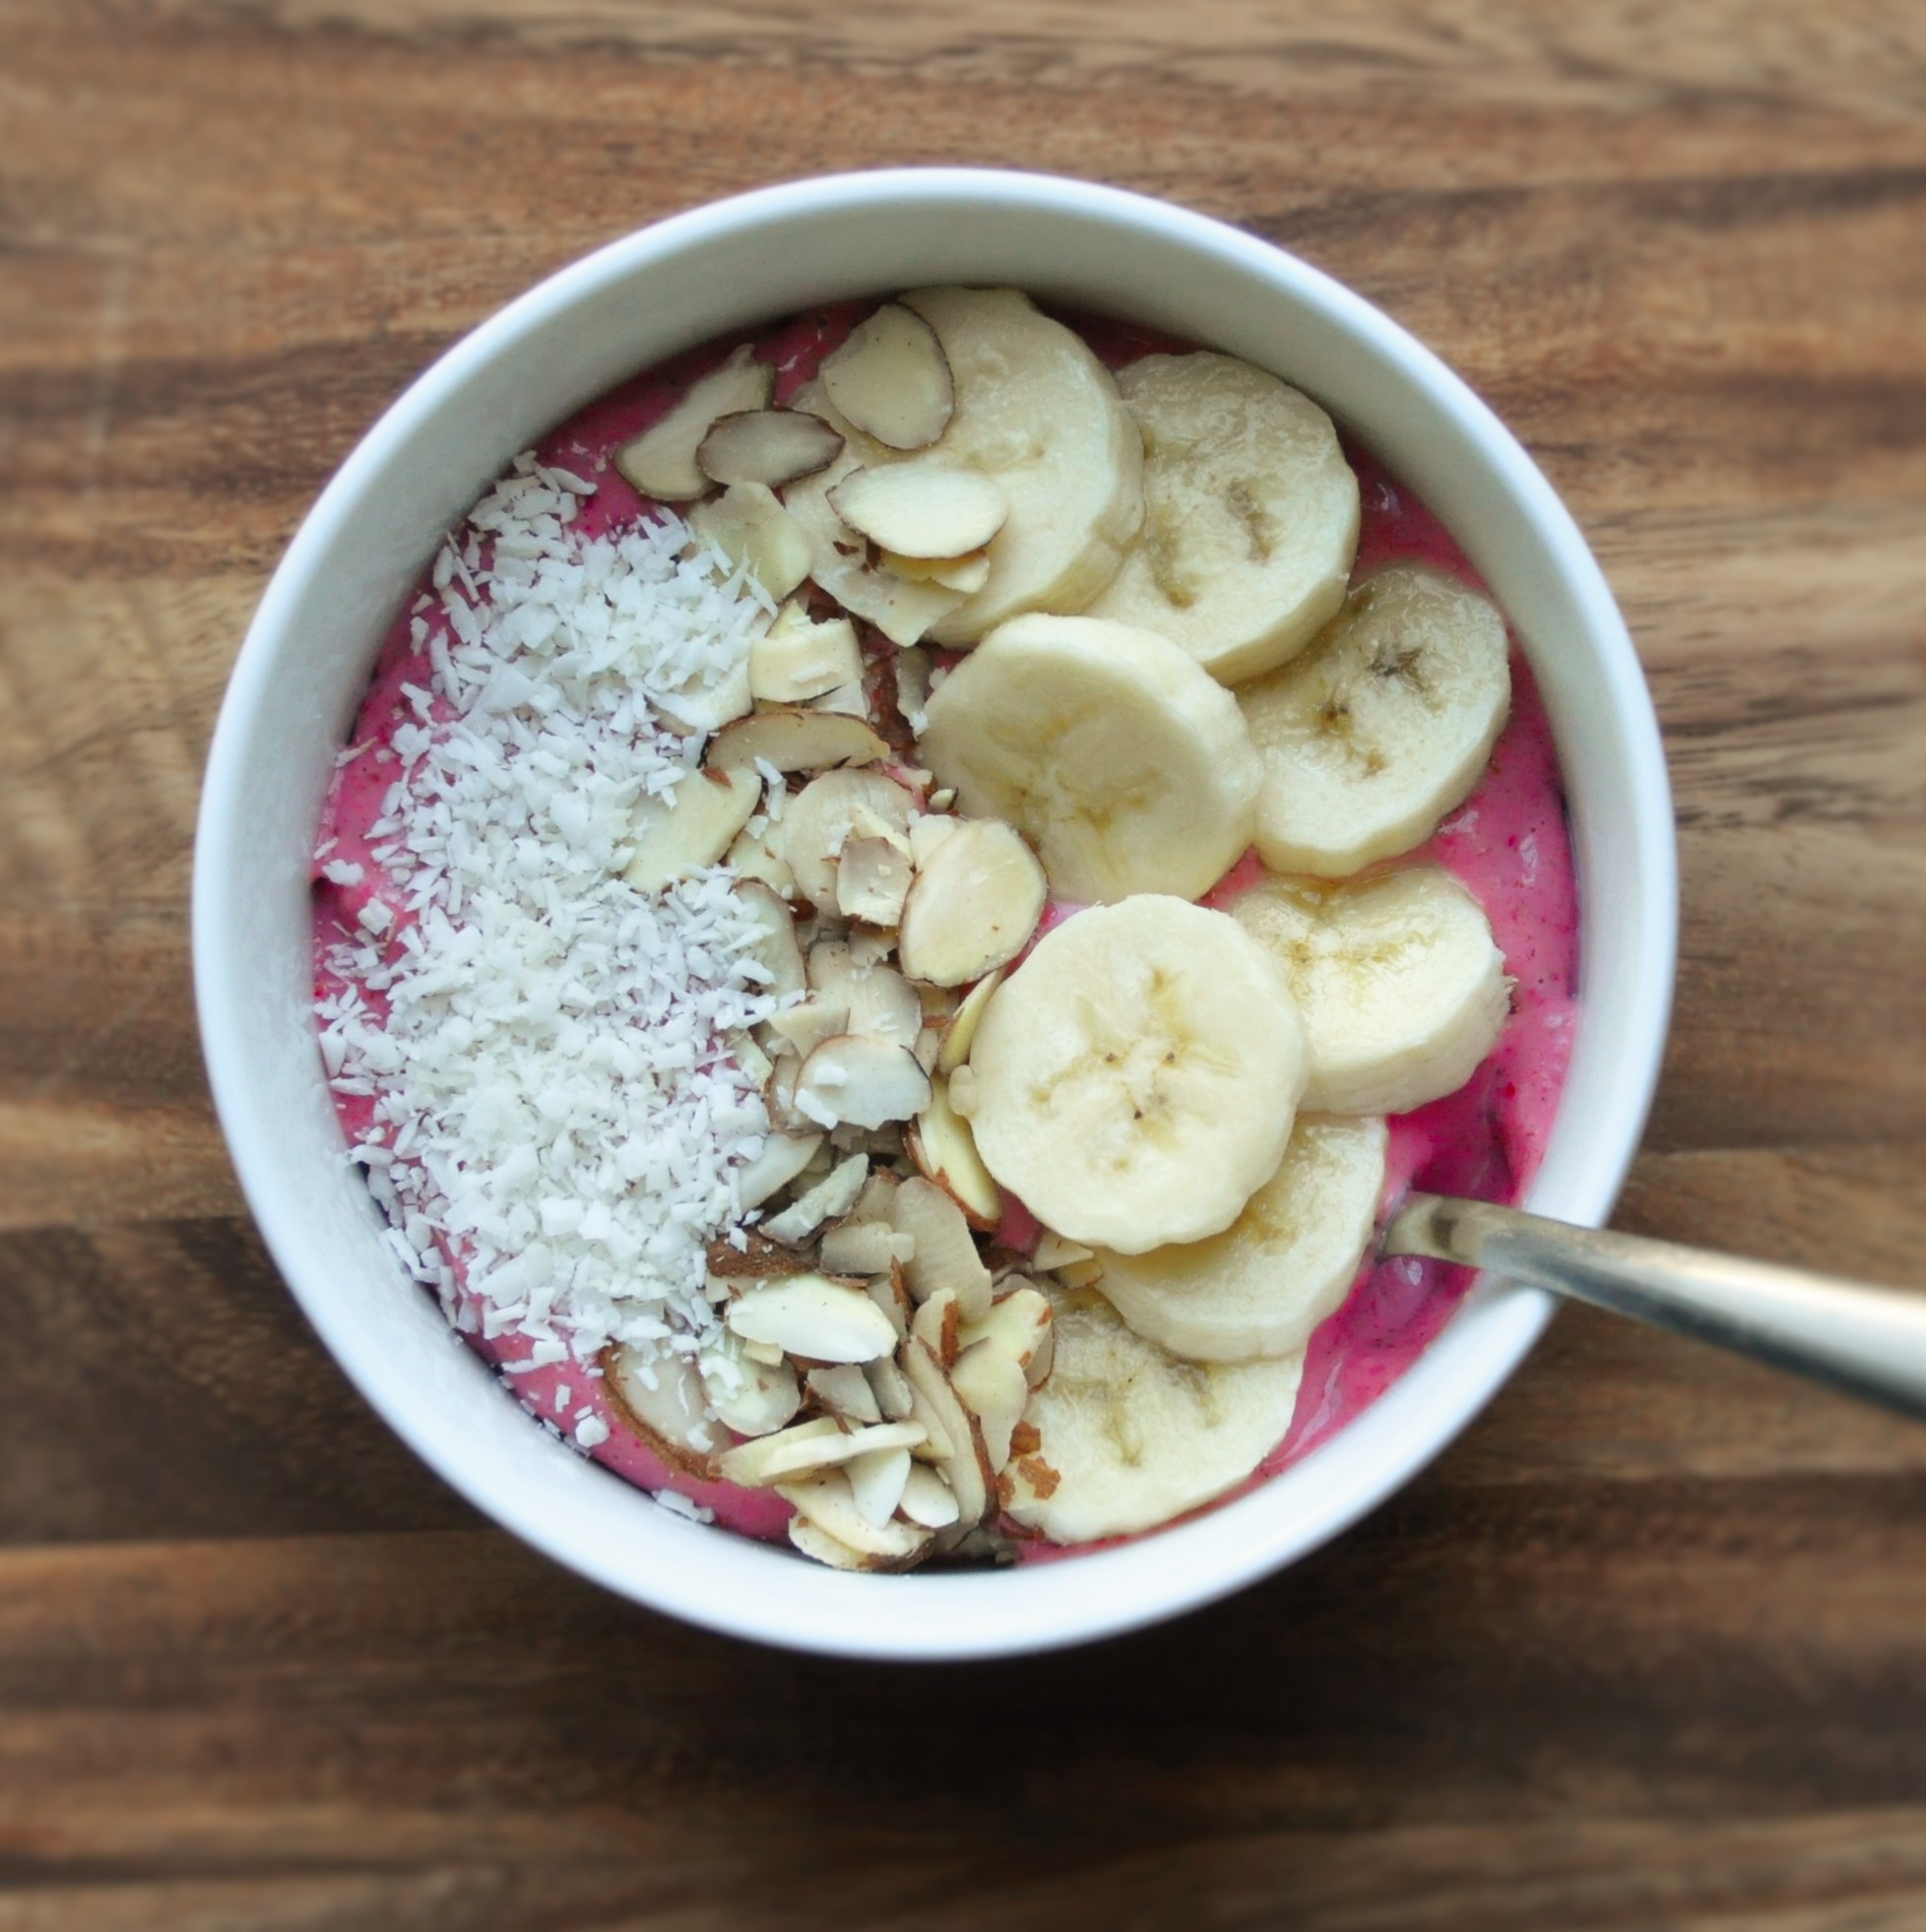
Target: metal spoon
<point>1869,1341</point>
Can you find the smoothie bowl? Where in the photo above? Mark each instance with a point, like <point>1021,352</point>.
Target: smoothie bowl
<point>852,859</point>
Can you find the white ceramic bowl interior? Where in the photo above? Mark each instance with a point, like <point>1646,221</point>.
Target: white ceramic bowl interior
<point>306,660</point>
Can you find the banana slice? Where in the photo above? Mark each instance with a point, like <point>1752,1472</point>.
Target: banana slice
<point>1124,763</point>
<point>1134,1081</point>
<point>1381,726</point>
<point>1130,1435</point>
<point>1261,1287</point>
<point>1037,413</point>
<point>1400,984</point>
<point>1251,514</point>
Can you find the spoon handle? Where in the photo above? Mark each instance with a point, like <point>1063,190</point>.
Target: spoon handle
<point>1868,1341</point>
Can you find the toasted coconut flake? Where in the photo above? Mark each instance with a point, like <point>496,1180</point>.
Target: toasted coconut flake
<point>945,1257</point>
<point>924,509</point>
<point>892,380</point>
<point>878,1479</point>
<point>751,1397</point>
<point>662,1398</point>
<point>873,879</point>
<point>771,447</point>
<point>829,1502</point>
<point>1019,1324</point>
<point>823,1443</point>
<point>828,1199</point>
<point>992,1386</point>
<point>962,1029</point>
<point>965,1468</point>
<point>756,534</point>
<point>973,907</point>
<point>661,462</point>
<point>792,738</point>
<point>927,1499</point>
<point>797,660</point>
<point>827,814</point>
<point>860,1081</point>
<point>943,1146</point>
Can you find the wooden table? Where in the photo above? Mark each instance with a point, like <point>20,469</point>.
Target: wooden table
<point>1647,1649</point>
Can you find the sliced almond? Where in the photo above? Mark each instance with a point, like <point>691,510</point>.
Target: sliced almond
<point>936,1327</point>
<point>923,509</point>
<point>860,1081</point>
<point>760,538</point>
<point>945,1257</point>
<point>707,702</point>
<point>992,1386</point>
<point>873,879</point>
<point>877,1198</point>
<point>770,447</point>
<point>1080,1274</point>
<point>828,1201</point>
<point>892,380</point>
<point>927,833</point>
<point>661,462</point>
<point>756,1259</point>
<point>892,1392</point>
<point>829,1551</point>
<point>887,1290</point>
<point>775,946</point>
<point>751,1397</point>
<point>911,669</point>
<point>1053,1251</point>
<point>803,1027</point>
<point>814,1317</point>
<point>943,1146</point>
<point>659,1395</point>
<point>871,945</point>
<point>927,1499</point>
<point>928,1049</point>
<point>792,739</point>
<point>807,1445</point>
<point>849,700</point>
<point>779,1099</point>
<point>845,1392</point>
<point>829,1502</point>
<point>968,573</point>
<point>754,858</point>
<point>830,810</point>
<point>783,1156</point>
<point>881,1002</point>
<point>878,1479</point>
<point>1019,1324</point>
<point>745,1049</point>
<point>797,660</point>
<point>965,1467</point>
<point>973,907</point>
<point>858,1248</point>
<point>962,1029</point>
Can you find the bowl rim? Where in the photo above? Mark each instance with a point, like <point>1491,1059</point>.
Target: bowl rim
<point>1377,1460</point>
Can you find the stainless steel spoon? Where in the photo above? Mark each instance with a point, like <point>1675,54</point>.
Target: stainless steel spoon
<point>1868,1341</point>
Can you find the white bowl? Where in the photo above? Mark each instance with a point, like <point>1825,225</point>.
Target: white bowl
<point>307,656</point>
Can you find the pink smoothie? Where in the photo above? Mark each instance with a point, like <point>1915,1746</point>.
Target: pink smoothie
<point>1508,844</point>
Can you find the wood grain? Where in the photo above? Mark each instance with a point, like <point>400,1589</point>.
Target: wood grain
<point>1643,1649</point>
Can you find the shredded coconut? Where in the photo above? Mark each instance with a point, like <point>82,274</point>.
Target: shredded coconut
<point>556,1103</point>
